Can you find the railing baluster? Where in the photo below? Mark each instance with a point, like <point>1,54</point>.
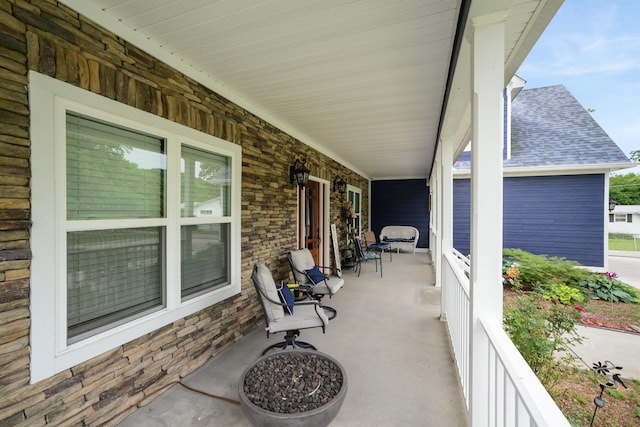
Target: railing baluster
<point>517,398</point>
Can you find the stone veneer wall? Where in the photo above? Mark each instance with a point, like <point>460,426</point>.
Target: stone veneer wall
<point>52,39</point>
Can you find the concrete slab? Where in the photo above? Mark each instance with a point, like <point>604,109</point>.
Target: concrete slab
<point>387,335</point>
<point>600,345</point>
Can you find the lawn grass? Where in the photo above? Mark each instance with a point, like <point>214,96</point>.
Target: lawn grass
<point>624,245</point>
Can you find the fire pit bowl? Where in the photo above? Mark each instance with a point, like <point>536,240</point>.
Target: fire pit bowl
<point>293,388</point>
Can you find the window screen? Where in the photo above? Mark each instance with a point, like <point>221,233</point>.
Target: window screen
<point>113,173</point>
<point>205,183</point>
<point>112,275</point>
<point>205,258</point>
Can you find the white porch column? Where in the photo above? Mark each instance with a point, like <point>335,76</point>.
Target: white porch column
<point>446,197</point>
<point>487,69</point>
<point>435,217</point>
<point>445,214</point>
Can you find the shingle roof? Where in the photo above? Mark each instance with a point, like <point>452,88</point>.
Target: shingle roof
<point>549,127</point>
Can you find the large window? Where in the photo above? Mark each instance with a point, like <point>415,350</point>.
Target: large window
<point>136,223</point>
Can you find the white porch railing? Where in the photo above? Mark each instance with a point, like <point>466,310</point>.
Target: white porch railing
<point>515,396</point>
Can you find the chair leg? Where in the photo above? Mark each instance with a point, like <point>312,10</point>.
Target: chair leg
<point>290,341</point>
<point>332,312</point>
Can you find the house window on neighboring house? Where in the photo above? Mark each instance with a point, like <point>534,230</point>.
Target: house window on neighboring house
<point>629,218</point>
<point>611,217</point>
<point>119,245</point>
<point>620,217</point>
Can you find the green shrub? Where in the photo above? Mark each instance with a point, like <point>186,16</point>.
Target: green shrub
<point>540,329</point>
<point>567,295</point>
<point>538,269</point>
<point>598,286</point>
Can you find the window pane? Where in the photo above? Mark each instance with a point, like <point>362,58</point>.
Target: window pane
<point>205,257</point>
<point>205,183</point>
<point>112,275</point>
<point>113,172</point>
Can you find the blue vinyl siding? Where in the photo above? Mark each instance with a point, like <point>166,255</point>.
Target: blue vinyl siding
<point>401,202</point>
<point>559,216</point>
<point>462,215</point>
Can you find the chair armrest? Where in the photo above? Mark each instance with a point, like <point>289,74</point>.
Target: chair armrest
<point>284,304</point>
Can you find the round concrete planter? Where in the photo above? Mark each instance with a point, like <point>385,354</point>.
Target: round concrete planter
<point>318,417</point>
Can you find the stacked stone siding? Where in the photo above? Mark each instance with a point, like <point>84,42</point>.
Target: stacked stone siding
<point>52,39</point>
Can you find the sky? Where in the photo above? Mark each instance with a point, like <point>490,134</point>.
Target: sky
<point>592,47</point>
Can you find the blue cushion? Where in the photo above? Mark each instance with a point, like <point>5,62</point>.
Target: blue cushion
<point>315,274</point>
<point>286,297</point>
<point>399,239</point>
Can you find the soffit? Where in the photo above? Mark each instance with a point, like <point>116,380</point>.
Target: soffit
<point>361,81</point>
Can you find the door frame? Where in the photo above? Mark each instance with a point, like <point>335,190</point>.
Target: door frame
<point>325,204</point>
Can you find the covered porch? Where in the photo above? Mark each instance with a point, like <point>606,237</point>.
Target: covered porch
<point>406,365</point>
<point>388,336</point>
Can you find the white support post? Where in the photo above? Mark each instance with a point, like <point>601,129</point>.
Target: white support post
<point>445,212</point>
<point>446,197</point>
<point>487,70</point>
<point>436,217</point>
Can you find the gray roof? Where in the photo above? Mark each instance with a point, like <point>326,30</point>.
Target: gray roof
<point>549,127</point>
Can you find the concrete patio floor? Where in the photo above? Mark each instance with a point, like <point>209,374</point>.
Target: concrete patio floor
<point>388,337</point>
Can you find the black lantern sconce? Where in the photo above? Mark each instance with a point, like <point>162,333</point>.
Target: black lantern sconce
<point>339,185</point>
<point>612,204</point>
<point>299,173</point>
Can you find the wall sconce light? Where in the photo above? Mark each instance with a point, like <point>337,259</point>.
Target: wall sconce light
<point>339,185</point>
<point>612,204</point>
<point>299,173</point>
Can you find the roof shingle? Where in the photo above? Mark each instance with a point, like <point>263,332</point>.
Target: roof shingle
<point>549,127</point>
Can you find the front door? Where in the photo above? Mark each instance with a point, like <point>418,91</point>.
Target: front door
<point>310,220</point>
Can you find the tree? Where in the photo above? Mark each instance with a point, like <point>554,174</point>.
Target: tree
<point>625,189</point>
<point>635,156</point>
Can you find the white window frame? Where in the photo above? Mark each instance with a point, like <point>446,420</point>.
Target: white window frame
<point>620,217</point>
<point>358,191</point>
<point>49,101</point>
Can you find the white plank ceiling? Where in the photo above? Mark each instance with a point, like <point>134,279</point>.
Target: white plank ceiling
<point>362,81</point>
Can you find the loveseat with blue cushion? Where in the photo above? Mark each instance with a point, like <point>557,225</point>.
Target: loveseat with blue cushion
<point>400,237</point>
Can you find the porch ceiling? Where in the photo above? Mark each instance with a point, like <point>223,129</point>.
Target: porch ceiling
<point>363,82</point>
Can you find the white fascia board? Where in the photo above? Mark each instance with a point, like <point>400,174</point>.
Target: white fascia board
<point>554,170</point>
<point>99,16</point>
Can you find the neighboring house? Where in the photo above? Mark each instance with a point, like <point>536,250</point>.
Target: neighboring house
<point>557,161</point>
<point>625,219</point>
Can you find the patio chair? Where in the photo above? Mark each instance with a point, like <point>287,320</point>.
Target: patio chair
<point>364,256</point>
<point>312,278</point>
<point>370,244</point>
<point>288,316</point>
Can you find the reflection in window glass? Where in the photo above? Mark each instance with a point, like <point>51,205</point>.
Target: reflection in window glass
<point>112,275</point>
<point>205,256</point>
<point>113,172</point>
<point>205,183</point>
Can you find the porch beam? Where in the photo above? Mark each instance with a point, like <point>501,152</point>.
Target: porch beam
<point>487,81</point>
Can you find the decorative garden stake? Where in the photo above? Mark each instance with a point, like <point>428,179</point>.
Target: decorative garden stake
<point>608,381</point>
